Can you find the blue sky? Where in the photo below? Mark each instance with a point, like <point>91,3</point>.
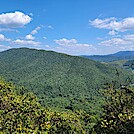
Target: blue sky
<point>74,27</point>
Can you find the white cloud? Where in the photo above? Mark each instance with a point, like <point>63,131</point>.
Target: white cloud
<point>72,47</point>
<point>131,47</point>
<point>8,30</point>
<point>3,47</point>
<point>113,41</point>
<point>50,27</point>
<point>3,38</point>
<point>26,42</point>
<point>102,23</point>
<point>29,37</point>
<point>129,37</point>
<point>98,38</point>
<point>114,24</point>
<point>31,14</point>
<point>35,31</point>
<point>112,32</point>
<point>124,40</point>
<point>66,41</point>
<point>44,38</point>
<point>14,20</point>
<point>47,46</point>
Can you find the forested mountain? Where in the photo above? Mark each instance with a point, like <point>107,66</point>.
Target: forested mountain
<point>122,55</point>
<point>76,93</point>
<point>126,64</point>
<point>21,113</point>
<point>59,80</point>
<point>129,64</point>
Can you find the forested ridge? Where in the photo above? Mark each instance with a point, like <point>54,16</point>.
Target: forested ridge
<point>61,89</point>
<point>22,113</point>
<point>59,80</point>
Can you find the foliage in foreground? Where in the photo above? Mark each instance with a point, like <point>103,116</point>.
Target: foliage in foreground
<point>23,114</point>
<point>118,115</point>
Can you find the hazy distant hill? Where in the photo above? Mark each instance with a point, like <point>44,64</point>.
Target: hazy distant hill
<point>58,79</point>
<point>122,55</point>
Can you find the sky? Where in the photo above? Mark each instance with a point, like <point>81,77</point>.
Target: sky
<point>75,27</point>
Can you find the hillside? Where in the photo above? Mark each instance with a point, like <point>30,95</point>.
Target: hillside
<point>21,113</point>
<point>126,64</point>
<point>129,64</point>
<point>122,55</point>
<point>58,80</point>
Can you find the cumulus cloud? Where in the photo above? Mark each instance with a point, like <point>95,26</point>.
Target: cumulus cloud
<point>29,37</point>
<point>4,47</point>
<point>112,32</point>
<point>3,38</point>
<point>26,42</point>
<point>113,41</point>
<point>66,41</point>
<point>71,43</point>
<point>50,27</point>
<point>124,40</point>
<point>31,14</point>
<point>73,47</point>
<point>47,46</point>
<point>14,20</point>
<point>35,31</point>
<point>114,24</point>
<point>130,47</point>
<point>44,38</point>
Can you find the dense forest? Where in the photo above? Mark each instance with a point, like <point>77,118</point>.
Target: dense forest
<point>49,92</point>
<point>60,80</point>
<point>21,113</point>
<point>126,64</point>
<point>129,64</point>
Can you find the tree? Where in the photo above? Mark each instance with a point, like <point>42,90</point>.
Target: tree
<point>118,115</point>
<point>23,114</point>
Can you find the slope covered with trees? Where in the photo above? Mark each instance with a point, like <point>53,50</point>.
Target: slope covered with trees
<point>129,64</point>
<point>118,117</point>
<point>59,80</point>
<point>21,113</point>
<point>126,64</point>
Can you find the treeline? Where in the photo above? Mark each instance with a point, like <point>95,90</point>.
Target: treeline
<point>21,113</point>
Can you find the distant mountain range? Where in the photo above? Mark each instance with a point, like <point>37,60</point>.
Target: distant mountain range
<point>122,55</point>
<point>58,79</point>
